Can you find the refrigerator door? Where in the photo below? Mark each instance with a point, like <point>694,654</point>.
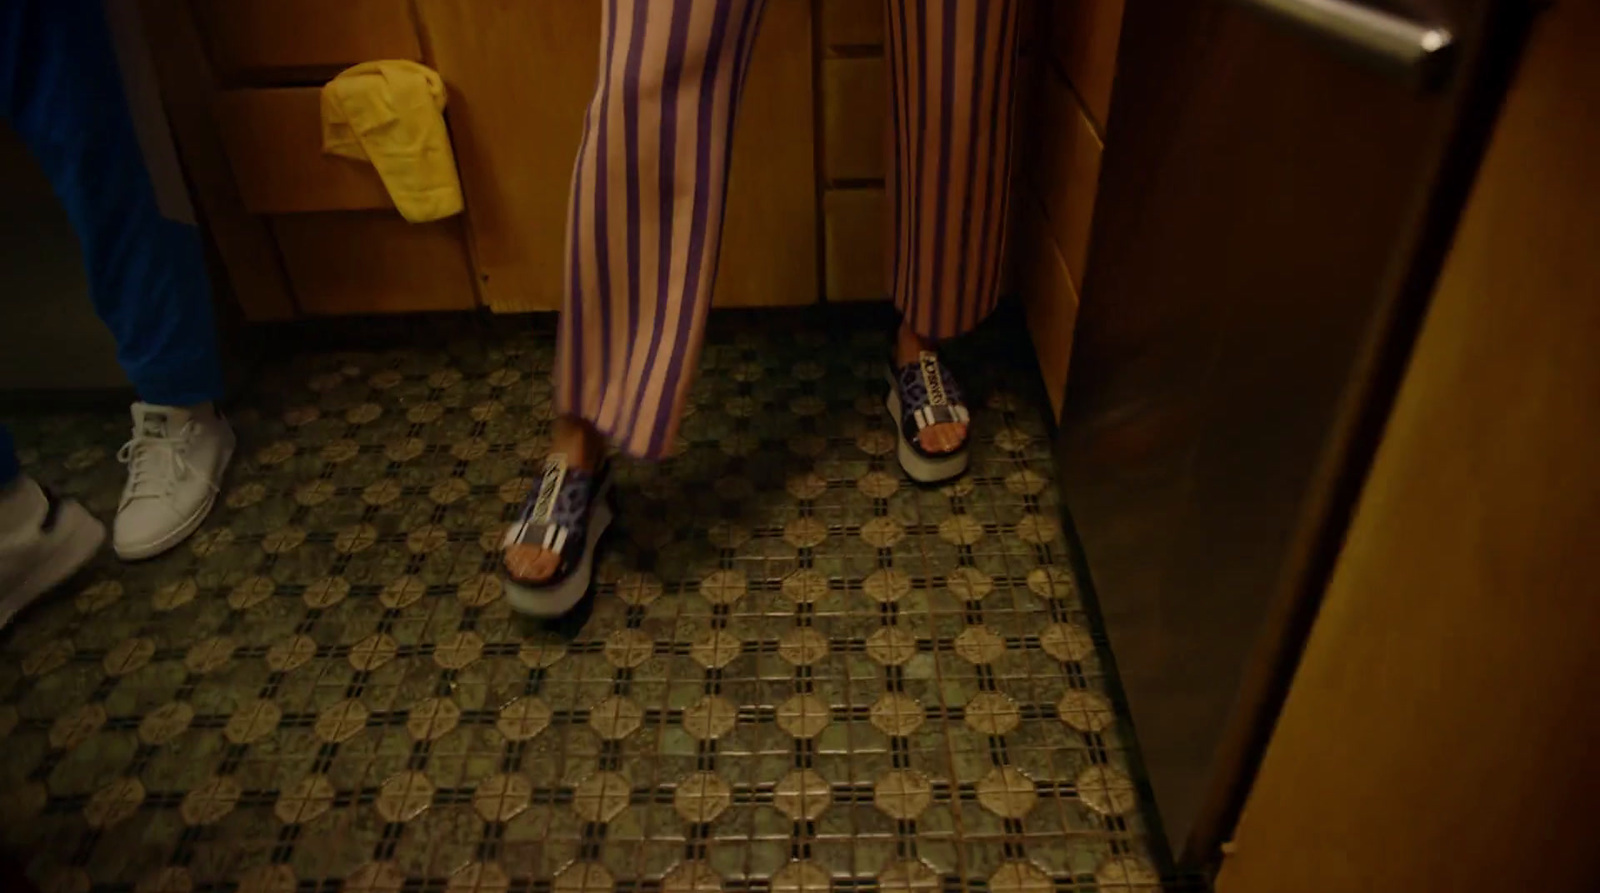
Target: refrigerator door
<point>1279,188</point>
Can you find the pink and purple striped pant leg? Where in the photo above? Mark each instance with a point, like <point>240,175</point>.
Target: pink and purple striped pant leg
<point>651,176</point>
<point>952,69</point>
<point>645,223</point>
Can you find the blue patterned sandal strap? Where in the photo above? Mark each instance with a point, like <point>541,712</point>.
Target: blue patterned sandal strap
<point>929,396</point>
<point>556,514</point>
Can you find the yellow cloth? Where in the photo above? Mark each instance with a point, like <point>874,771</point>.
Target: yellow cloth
<point>390,113</point>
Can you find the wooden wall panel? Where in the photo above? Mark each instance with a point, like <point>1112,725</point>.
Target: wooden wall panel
<point>273,139</point>
<point>1449,684</point>
<point>249,37</point>
<point>854,244</point>
<point>360,263</point>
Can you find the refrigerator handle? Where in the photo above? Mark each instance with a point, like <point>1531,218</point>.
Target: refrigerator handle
<point>1417,53</point>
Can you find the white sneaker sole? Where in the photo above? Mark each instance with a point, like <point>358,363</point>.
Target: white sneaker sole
<point>180,533</point>
<point>79,536</point>
<point>918,467</point>
<point>550,602</point>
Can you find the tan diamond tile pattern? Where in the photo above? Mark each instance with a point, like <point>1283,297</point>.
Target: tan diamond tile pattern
<point>799,674</point>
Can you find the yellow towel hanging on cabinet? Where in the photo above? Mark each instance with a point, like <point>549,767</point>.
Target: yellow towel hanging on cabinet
<point>390,113</point>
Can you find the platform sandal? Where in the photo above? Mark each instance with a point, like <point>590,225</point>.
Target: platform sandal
<point>567,513</point>
<point>923,393</point>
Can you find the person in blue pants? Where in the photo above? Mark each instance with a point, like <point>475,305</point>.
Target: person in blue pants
<point>61,90</point>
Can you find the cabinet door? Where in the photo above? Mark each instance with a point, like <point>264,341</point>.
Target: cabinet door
<point>520,75</point>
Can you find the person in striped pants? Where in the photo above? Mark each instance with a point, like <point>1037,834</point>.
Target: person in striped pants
<point>645,224</point>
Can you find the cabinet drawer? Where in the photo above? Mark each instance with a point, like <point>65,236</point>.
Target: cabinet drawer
<point>854,112</point>
<point>362,263</point>
<point>1083,39</point>
<point>273,139</point>
<point>1066,170</point>
<point>1048,297</point>
<point>854,244</point>
<point>293,39</point>
<point>852,23</point>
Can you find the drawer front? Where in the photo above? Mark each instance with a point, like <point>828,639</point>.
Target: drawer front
<point>362,263</point>
<point>854,243</point>
<point>292,39</point>
<point>1067,171</point>
<point>1049,298</point>
<point>1083,39</point>
<point>273,139</point>
<point>854,111</point>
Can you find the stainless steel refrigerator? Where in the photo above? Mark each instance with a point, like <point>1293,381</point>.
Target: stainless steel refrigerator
<point>1282,178</point>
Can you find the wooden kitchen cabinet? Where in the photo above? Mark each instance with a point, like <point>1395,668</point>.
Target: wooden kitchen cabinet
<point>242,81</point>
<point>1082,44</point>
<point>1067,68</point>
<point>769,240</point>
<point>520,76</point>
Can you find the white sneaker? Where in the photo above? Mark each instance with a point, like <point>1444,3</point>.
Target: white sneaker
<point>175,464</point>
<point>43,541</point>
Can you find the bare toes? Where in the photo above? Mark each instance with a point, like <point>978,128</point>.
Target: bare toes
<point>530,563</point>
<point>942,438</point>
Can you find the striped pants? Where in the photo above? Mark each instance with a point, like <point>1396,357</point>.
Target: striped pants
<point>647,203</point>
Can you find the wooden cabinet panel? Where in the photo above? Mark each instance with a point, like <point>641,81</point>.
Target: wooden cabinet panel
<point>520,76</point>
<point>273,139</point>
<point>1049,297</point>
<point>251,37</point>
<point>1066,171</point>
<point>852,23</point>
<point>360,263</point>
<point>769,242</point>
<point>854,103</point>
<point>854,243</point>
<point>1083,39</point>
<point>242,240</point>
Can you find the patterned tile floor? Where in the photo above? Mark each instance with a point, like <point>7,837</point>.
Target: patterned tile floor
<point>799,673</point>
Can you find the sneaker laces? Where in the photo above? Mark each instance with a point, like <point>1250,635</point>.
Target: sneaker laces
<point>156,460</point>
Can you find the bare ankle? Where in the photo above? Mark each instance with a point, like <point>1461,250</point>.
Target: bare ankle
<point>908,345</point>
<point>579,440</point>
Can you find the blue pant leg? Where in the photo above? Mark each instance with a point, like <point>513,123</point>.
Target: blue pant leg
<point>9,469</point>
<point>61,89</point>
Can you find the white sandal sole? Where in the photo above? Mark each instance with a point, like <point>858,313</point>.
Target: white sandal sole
<point>918,467</point>
<point>550,602</point>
